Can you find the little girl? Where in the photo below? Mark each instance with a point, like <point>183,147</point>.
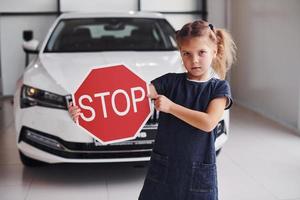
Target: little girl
<point>183,161</point>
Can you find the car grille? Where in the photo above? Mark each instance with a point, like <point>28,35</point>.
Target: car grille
<point>140,147</point>
<point>154,117</point>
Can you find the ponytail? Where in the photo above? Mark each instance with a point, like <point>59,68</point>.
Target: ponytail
<point>226,53</point>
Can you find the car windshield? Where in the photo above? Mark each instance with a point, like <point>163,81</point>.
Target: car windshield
<point>111,34</point>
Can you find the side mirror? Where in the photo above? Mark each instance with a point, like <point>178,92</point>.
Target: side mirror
<point>31,46</point>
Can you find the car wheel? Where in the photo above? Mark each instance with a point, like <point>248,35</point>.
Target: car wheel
<point>29,162</point>
<point>218,152</point>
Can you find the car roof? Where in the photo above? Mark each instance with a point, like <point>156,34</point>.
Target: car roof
<point>130,14</point>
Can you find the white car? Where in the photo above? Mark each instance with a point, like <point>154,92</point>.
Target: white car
<point>74,44</point>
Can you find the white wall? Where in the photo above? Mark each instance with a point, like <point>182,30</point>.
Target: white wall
<point>266,76</point>
<point>176,20</point>
<point>27,6</point>
<point>12,54</point>
<point>217,13</point>
<point>170,5</point>
<point>11,27</point>
<point>98,5</point>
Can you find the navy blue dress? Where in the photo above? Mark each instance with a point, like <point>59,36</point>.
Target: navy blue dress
<point>183,161</point>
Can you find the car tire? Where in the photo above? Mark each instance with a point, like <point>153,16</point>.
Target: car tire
<point>30,162</point>
<point>218,152</point>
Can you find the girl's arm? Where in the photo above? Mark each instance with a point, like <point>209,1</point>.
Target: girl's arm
<point>205,121</point>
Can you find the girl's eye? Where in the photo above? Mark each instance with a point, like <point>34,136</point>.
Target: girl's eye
<point>202,52</point>
<point>186,54</point>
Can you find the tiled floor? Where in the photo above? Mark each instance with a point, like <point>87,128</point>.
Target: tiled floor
<point>261,161</point>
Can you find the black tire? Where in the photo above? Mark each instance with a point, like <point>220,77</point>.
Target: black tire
<point>218,152</point>
<point>30,162</point>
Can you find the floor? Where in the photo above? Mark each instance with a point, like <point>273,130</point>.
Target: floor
<point>261,161</point>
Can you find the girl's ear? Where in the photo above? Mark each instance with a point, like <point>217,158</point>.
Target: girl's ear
<point>214,54</point>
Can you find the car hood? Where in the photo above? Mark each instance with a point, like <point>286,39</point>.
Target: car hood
<point>68,70</point>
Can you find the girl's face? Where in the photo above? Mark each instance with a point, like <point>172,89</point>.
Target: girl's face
<point>197,54</point>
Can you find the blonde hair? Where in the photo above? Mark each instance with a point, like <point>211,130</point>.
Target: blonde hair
<point>225,46</point>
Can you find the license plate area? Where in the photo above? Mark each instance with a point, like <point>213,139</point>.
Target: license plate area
<point>140,139</point>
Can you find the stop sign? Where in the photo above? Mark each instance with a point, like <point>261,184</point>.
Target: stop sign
<point>114,104</point>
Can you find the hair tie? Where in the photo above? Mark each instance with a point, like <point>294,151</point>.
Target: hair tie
<point>211,27</point>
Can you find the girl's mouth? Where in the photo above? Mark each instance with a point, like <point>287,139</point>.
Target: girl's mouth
<point>196,68</point>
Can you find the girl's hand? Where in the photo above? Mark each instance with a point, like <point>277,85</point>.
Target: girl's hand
<point>163,104</point>
<point>74,111</point>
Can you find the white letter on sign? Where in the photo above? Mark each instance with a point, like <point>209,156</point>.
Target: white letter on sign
<point>103,102</point>
<point>88,119</point>
<point>113,102</point>
<point>134,99</point>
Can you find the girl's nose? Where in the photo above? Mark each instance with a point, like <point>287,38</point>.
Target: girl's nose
<point>195,59</point>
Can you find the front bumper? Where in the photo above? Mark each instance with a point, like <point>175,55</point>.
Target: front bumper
<point>52,149</point>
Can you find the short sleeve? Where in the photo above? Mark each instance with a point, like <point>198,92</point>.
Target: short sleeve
<point>161,83</point>
<point>222,89</point>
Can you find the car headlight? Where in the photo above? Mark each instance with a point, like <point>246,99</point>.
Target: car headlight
<point>31,96</point>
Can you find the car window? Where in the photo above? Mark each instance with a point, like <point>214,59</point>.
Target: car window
<point>111,34</point>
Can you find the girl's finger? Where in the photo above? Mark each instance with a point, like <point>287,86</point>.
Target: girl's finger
<point>75,117</point>
<point>71,109</point>
<point>75,120</point>
<point>75,112</point>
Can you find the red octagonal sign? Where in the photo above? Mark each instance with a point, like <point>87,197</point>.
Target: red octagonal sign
<point>114,104</point>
